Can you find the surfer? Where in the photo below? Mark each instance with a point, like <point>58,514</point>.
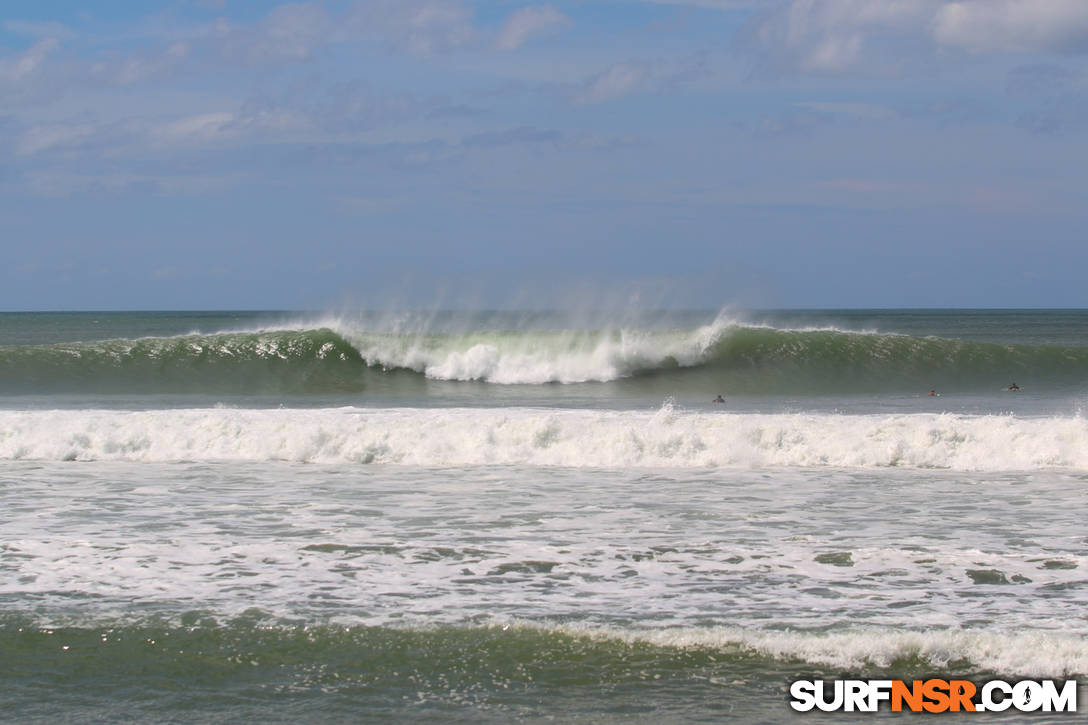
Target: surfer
<point>933,393</point>
<point>719,399</point>
<point>1012,387</point>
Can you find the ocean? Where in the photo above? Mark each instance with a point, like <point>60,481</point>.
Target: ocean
<point>495,517</point>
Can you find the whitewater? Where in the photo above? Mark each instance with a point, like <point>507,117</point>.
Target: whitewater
<point>531,516</point>
<point>535,437</point>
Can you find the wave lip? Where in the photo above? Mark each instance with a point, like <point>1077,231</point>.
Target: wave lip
<point>534,437</point>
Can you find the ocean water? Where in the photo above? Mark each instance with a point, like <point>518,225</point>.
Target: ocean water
<point>533,517</point>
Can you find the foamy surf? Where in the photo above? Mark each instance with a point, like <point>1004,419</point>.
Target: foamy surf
<point>1039,653</point>
<point>536,437</point>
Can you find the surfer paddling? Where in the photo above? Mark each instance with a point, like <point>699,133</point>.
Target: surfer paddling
<point>718,399</point>
<point>1013,387</point>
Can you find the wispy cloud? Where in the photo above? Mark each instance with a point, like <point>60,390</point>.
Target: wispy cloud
<point>840,36</point>
<point>864,111</point>
<point>615,81</point>
<point>835,35</point>
<point>48,136</point>
<point>197,128</point>
<point>420,27</point>
<point>39,29</point>
<point>717,4</point>
<point>528,22</point>
<point>795,122</point>
<point>23,66</point>
<point>289,33</point>
<point>1050,26</point>
<point>141,67</point>
<point>511,136</point>
<point>636,76</point>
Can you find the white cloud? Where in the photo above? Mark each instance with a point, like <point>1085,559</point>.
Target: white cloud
<point>289,33</point>
<point>45,137</point>
<point>1014,25</point>
<point>834,36</point>
<point>616,81</point>
<point>527,22</point>
<point>292,32</point>
<point>197,128</point>
<point>422,27</point>
<point>113,139</point>
<point>143,67</point>
<point>23,66</point>
<point>638,76</point>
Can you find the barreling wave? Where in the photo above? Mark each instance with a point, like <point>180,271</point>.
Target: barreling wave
<point>536,437</point>
<point>723,355</point>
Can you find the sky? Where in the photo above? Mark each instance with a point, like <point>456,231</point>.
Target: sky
<point>233,154</point>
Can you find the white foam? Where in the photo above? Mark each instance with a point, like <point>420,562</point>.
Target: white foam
<point>1021,653</point>
<point>528,357</point>
<point>526,436</point>
<point>838,568</point>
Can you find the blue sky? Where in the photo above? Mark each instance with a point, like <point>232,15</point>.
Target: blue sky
<point>374,153</point>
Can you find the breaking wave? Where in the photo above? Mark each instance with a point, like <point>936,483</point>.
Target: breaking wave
<point>724,354</point>
<point>570,438</point>
<point>584,649</point>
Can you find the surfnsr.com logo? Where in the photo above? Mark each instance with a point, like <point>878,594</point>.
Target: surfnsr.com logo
<point>933,695</point>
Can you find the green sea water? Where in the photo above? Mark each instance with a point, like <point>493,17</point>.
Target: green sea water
<point>532,517</point>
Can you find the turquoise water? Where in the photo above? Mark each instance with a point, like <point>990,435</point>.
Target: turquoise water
<point>497,517</point>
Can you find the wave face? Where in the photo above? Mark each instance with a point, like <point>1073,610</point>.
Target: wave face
<point>835,360</point>
<point>249,670</point>
<point>577,439</point>
<point>199,637</point>
<point>317,360</point>
<point>724,355</point>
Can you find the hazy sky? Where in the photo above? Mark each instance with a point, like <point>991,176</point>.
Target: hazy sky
<point>794,153</point>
